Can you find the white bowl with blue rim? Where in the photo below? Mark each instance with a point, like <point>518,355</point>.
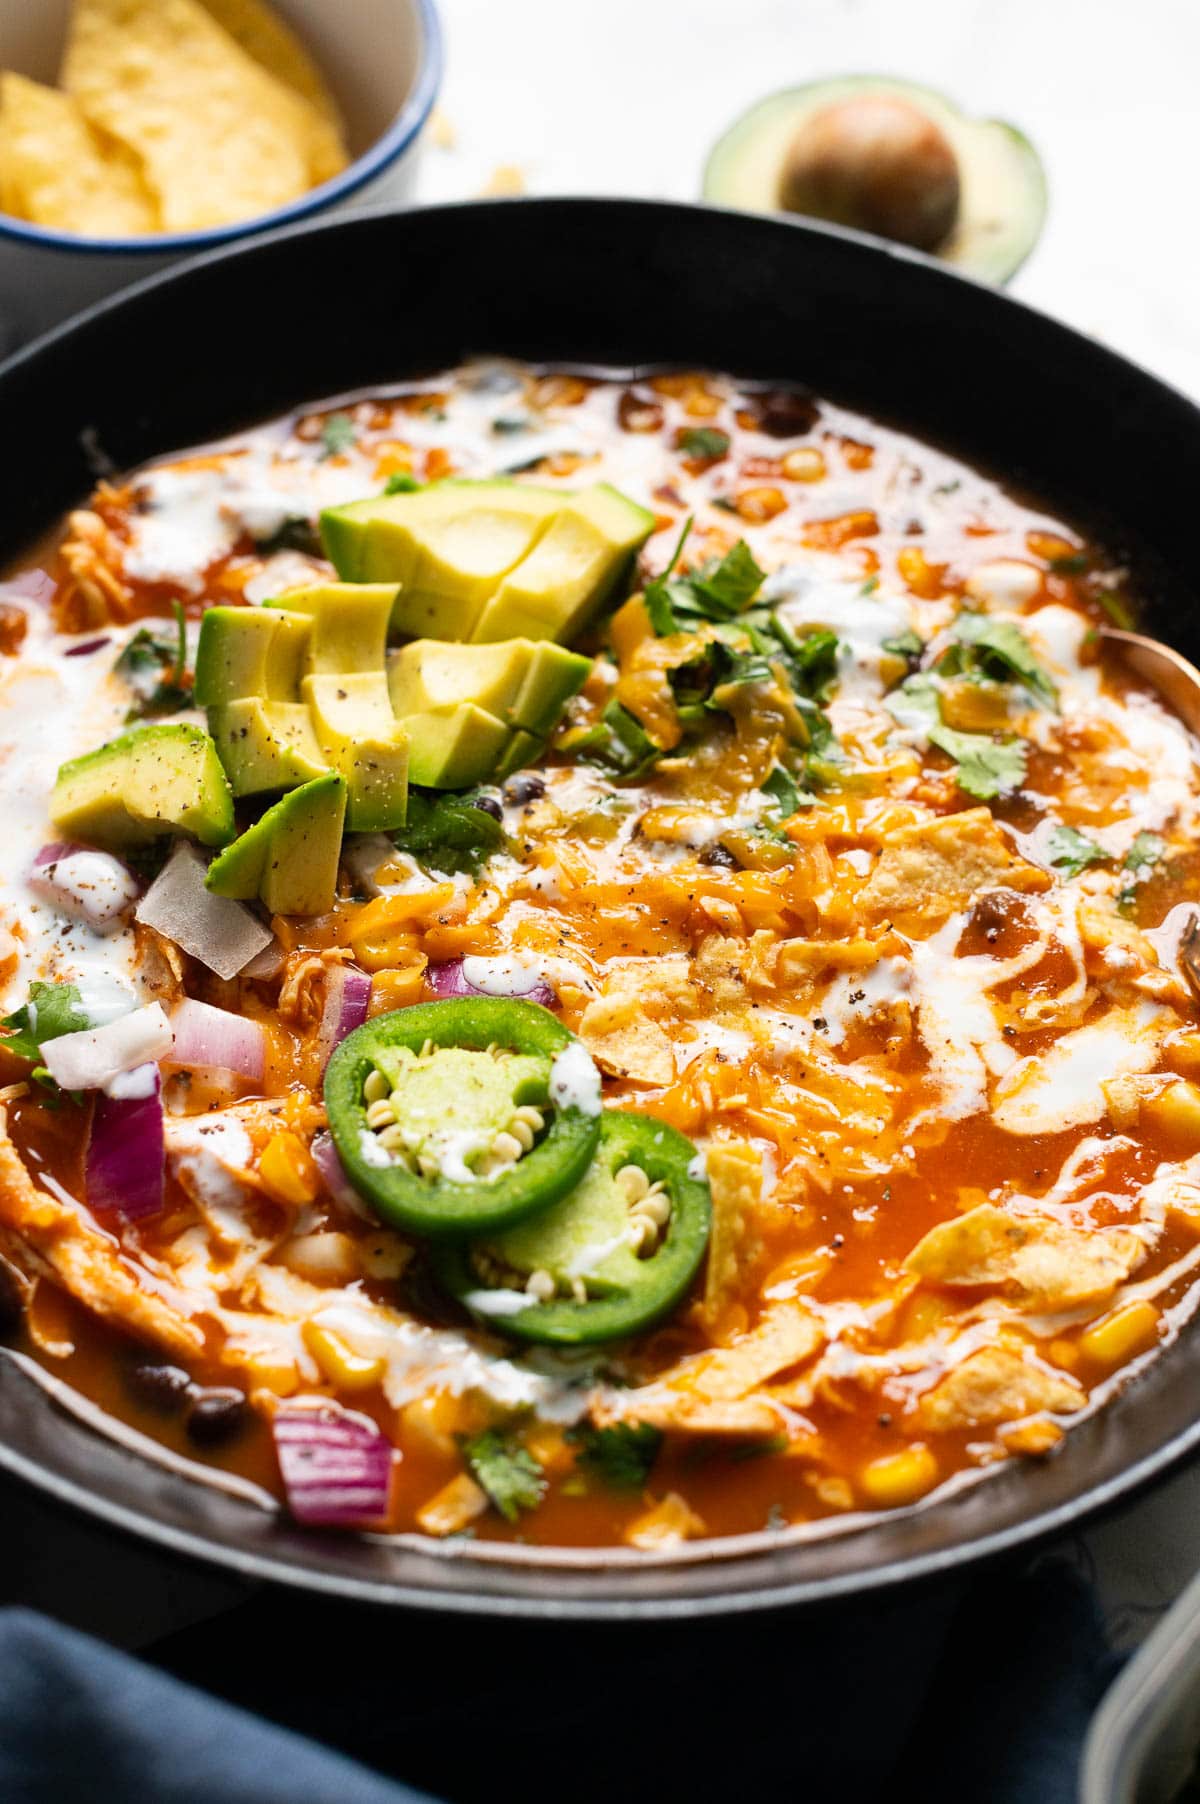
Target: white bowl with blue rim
<point>381,58</point>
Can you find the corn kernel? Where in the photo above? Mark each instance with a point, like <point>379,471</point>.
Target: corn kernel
<point>1036,1437</point>
<point>974,707</point>
<point>1175,1111</point>
<point>1120,1335</point>
<point>805,464</point>
<point>761,504</point>
<point>899,1478</point>
<point>349,1370</point>
<point>288,1173</point>
<point>453,1507</point>
<point>429,1424</point>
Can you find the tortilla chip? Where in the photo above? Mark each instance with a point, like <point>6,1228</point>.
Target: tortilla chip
<point>934,869</point>
<point>273,45</point>
<point>675,1412</point>
<point>221,139</point>
<point>57,170</point>
<point>735,1179</point>
<point>1002,1383</point>
<point>1043,1264</point>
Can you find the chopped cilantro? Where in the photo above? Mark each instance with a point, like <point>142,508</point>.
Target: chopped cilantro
<point>1119,611</point>
<point>156,670</point>
<point>296,534</point>
<point>400,483</point>
<point>987,767</point>
<point>870,586</point>
<point>1072,852</point>
<point>620,1456</point>
<point>507,423</point>
<point>1146,850</point>
<point>997,649</point>
<point>905,645</point>
<point>1074,564</point>
<point>507,1471</point>
<point>783,789</point>
<point>447,832</point>
<point>719,590</point>
<point>703,441</point>
<point>618,742</point>
<point>52,1009</point>
<point>337,434</point>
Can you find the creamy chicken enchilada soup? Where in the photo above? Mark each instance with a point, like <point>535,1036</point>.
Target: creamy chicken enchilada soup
<point>588,960</point>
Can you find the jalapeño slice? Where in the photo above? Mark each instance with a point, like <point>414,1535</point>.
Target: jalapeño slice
<point>611,1257</point>
<point>464,1116</point>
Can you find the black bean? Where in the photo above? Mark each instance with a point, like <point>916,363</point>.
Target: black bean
<point>161,1387</point>
<point>524,787</point>
<point>786,412</point>
<point>489,805</point>
<point>719,855</point>
<point>12,1299</point>
<point>215,1415</point>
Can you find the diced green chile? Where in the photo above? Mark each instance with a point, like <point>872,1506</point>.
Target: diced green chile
<point>584,1236</point>
<point>452,1098</point>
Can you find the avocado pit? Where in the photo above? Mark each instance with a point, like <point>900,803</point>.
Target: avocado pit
<point>878,163</point>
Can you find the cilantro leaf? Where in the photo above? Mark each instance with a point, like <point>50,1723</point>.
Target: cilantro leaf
<point>720,590</point>
<point>507,1471</point>
<point>656,594</point>
<point>298,533</point>
<point>52,1009</point>
<point>986,767</point>
<point>337,434</point>
<point>156,670</point>
<point>1119,611</point>
<point>783,789</point>
<point>1073,564</point>
<point>620,1456</point>
<point>1146,850</point>
<point>400,483</point>
<point>999,649</point>
<point>905,645</point>
<point>447,832</point>
<point>1072,852</point>
<point>617,742</point>
<point>702,441</point>
<point>811,662</point>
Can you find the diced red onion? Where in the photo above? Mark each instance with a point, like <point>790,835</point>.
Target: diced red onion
<point>336,1466</point>
<point>29,585</point>
<point>215,1037</point>
<point>87,648</point>
<point>83,884</point>
<point>449,980</point>
<point>223,934</point>
<point>325,1156</point>
<point>347,993</point>
<point>126,1154</point>
<point>95,1057</point>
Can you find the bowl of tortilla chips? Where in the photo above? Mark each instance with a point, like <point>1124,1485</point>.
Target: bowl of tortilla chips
<point>136,132</point>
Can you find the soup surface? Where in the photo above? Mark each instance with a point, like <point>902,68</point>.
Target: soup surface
<point>857,860</point>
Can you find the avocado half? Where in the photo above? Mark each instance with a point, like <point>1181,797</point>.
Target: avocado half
<point>1003,185</point>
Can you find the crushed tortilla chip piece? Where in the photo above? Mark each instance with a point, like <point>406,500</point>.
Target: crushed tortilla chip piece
<point>665,1525</point>
<point>735,1179</point>
<point>935,868</point>
<point>220,138</point>
<point>1001,1383</point>
<point>1042,1263</point>
<point>57,170</point>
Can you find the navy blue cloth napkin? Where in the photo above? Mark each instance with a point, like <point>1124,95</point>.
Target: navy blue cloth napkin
<point>978,1692</point>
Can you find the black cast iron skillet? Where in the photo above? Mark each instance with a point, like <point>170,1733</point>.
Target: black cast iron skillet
<point>306,313</point>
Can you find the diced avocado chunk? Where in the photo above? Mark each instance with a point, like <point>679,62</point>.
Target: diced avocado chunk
<point>453,748</point>
<point>571,570</point>
<point>349,625</point>
<point>447,546</point>
<point>159,779</point>
<point>518,681</point>
<point>361,737</point>
<point>266,745</point>
<point>249,651</point>
<point>289,858</point>
<point>523,748</point>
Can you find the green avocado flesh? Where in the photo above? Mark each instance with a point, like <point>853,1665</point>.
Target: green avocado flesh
<point>1003,186</point>
<point>159,779</point>
<point>489,560</point>
<point>288,859</point>
<point>583,1243</point>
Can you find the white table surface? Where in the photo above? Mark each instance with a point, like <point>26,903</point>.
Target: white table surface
<point>626,97</point>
